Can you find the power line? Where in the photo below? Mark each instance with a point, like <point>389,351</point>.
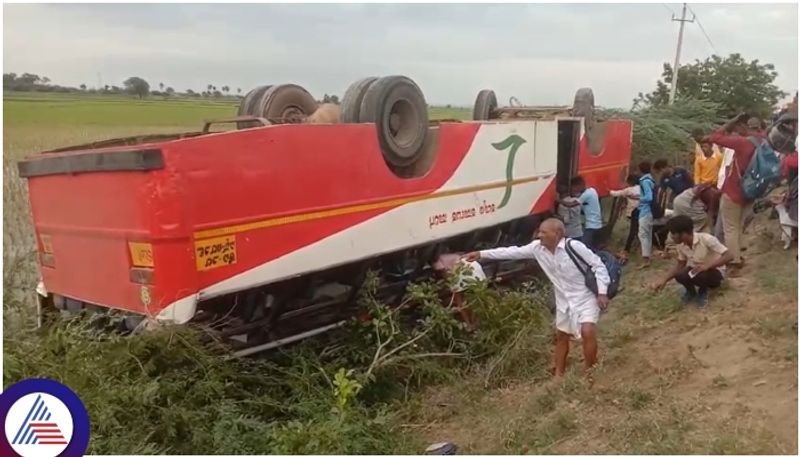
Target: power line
<point>697,19</point>
<point>668,8</point>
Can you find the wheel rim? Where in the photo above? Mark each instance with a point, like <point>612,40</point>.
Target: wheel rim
<point>402,122</point>
<point>293,114</point>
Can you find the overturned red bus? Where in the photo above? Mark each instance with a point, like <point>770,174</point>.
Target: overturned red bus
<point>272,226</point>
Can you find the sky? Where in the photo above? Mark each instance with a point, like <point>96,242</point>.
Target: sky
<point>539,53</point>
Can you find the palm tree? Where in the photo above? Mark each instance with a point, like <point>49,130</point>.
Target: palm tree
<point>161,86</point>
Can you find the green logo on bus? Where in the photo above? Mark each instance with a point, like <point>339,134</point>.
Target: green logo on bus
<point>512,143</point>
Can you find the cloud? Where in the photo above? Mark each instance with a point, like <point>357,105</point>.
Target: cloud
<point>540,53</point>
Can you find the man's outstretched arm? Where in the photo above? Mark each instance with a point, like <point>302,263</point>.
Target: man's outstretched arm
<point>509,253</point>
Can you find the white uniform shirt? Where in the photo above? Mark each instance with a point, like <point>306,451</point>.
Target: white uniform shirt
<point>569,283</point>
<point>468,272</point>
<point>628,192</point>
<point>727,160</point>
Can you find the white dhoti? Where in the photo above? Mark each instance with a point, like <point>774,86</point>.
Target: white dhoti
<point>570,319</point>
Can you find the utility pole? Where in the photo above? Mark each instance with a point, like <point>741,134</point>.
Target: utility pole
<point>675,67</point>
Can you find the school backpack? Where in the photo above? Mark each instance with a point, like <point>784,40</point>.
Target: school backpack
<point>763,173</point>
<point>613,267</point>
<point>655,205</point>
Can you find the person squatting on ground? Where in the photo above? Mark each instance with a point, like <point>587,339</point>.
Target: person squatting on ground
<point>701,204</point>
<point>577,307</point>
<point>590,202</point>
<point>631,193</point>
<point>701,260</point>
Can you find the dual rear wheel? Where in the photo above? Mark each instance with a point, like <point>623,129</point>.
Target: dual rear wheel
<point>280,104</point>
<point>395,104</point>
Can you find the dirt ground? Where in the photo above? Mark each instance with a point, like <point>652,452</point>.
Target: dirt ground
<point>673,378</point>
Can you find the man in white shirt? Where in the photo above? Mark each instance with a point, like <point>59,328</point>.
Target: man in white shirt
<point>577,308</point>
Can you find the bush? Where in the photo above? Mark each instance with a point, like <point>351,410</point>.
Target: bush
<point>665,131</point>
<point>164,392</point>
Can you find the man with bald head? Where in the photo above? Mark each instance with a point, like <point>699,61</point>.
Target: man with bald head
<point>577,307</point>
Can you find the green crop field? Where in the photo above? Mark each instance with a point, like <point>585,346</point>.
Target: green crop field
<point>35,122</point>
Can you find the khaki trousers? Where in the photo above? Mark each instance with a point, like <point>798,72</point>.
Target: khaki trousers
<point>732,216</point>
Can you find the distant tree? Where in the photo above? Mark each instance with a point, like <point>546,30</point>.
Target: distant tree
<point>9,79</point>
<point>29,78</point>
<point>116,89</point>
<point>161,87</point>
<point>209,88</point>
<point>170,91</point>
<point>225,89</point>
<point>45,80</point>
<point>733,83</point>
<point>137,86</point>
<point>217,93</point>
<point>239,90</point>
<point>330,99</point>
<point>82,86</point>
<point>190,92</point>
<point>106,88</point>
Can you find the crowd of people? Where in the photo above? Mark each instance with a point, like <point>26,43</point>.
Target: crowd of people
<point>703,211</point>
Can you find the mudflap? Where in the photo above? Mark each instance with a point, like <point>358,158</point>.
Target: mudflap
<point>45,306</point>
<point>616,212</point>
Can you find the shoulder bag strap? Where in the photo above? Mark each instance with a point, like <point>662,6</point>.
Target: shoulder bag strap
<point>576,258</point>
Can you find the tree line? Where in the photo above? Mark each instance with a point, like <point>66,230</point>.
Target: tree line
<point>134,86</point>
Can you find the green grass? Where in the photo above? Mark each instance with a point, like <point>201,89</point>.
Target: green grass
<point>46,113</point>
<point>33,124</point>
<point>440,112</point>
